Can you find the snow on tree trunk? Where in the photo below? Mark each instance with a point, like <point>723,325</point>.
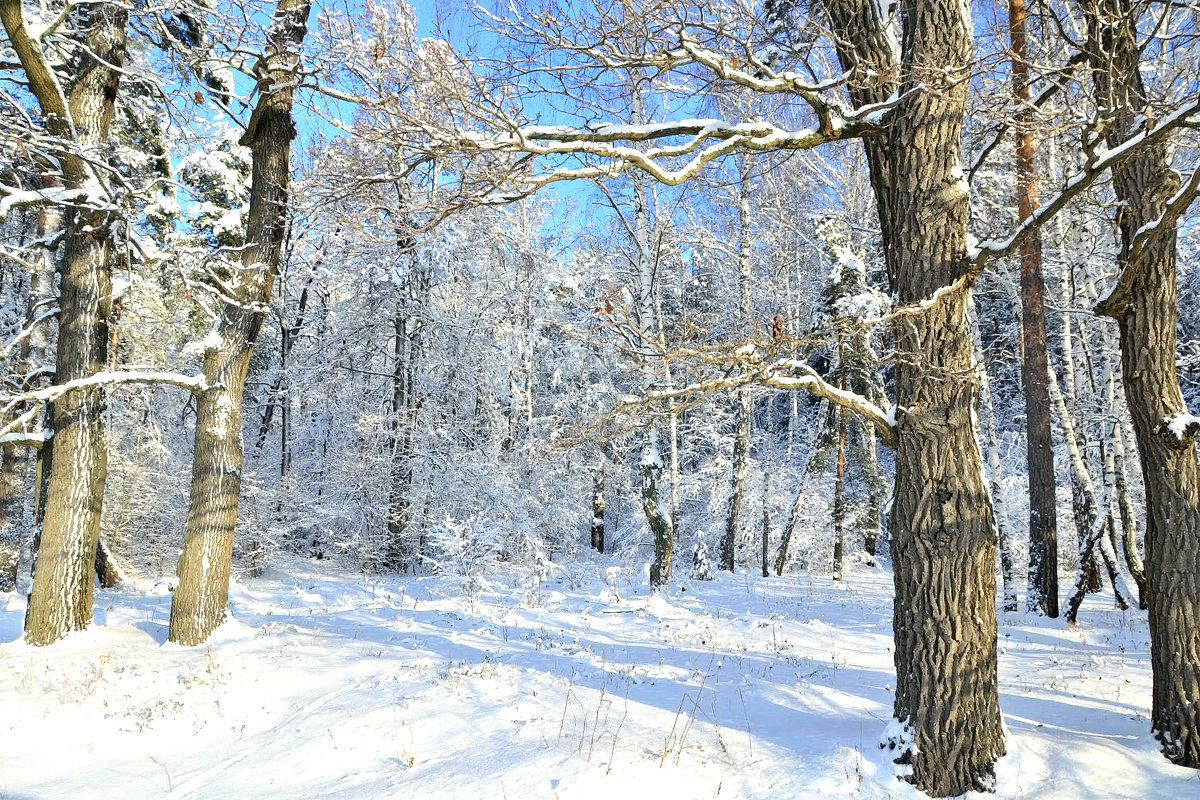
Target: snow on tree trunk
<point>743,407</point>
<point>61,600</point>
<point>1145,305</point>
<point>598,507</point>
<point>741,457</point>
<point>995,477</point>
<point>199,603</point>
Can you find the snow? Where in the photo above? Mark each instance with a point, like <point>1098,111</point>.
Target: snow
<point>332,685</point>
<point>1182,425</point>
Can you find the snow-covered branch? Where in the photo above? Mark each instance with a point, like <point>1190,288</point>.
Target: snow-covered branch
<point>785,373</point>
<point>1098,164</point>
<point>39,397</point>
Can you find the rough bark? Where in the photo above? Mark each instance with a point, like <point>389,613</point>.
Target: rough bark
<point>61,600</point>
<point>199,603</point>
<point>942,529</point>
<point>1144,304</point>
<point>1043,529</point>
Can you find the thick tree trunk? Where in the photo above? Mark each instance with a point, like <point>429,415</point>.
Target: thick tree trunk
<point>942,529</point>
<point>1043,529</point>
<point>200,601</point>
<point>109,572</point>
<point>1144,303</point>
<point>61,600</point>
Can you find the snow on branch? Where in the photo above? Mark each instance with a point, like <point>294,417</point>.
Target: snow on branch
<point>39,397</point>
<point>1181,429</point>
<point>25,332</point>
<point>704,140</point>
<point>748,368</point>
<point>1098,163</point>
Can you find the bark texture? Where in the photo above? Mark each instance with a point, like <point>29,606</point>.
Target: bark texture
<point>199,603</point>
<point>942,530</point>
<point>61,600</point>
<point>1144,304</point>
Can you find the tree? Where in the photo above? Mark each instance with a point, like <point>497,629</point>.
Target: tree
<point>908,102</point>
<point>199,604</point>
<point>77,117</point>
<point>1144,303</point>
<point>1043,527</point>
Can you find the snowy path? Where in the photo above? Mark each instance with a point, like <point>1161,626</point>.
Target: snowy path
<point>332,687</point>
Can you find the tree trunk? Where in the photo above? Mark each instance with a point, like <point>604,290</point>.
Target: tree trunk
<point>656,516</point>
<point>741,456</point>
<point>200,601</point>
<point>942,528</point>
<point>814,465</point>
<point>109,571</point>
<point>598,508</point>
<point>1144,303</point>
<point>876,488</point>
<point>742,411</point>
<point>12,502</point>
<point>995,478</point>
<point>1043,529</point>
<point>61,600</point>
<point>839,498</point>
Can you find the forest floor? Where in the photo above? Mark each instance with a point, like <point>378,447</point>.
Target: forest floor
<point>336,686</point>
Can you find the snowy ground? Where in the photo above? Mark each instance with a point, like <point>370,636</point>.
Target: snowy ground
<point>338,687</point>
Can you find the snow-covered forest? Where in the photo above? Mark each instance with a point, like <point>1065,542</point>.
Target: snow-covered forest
<point>562,398</point>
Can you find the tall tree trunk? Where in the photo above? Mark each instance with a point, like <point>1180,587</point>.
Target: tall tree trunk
<point>12,504</point>
<point>61,600</point>
<point>1043,529</point>
<point>1144,304</point>
<point>995,477</point>
<point>598,507</point>
<point>839,498</point>
<point>200,601</point>
<point>743,408</point>
<point>942,528</point>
